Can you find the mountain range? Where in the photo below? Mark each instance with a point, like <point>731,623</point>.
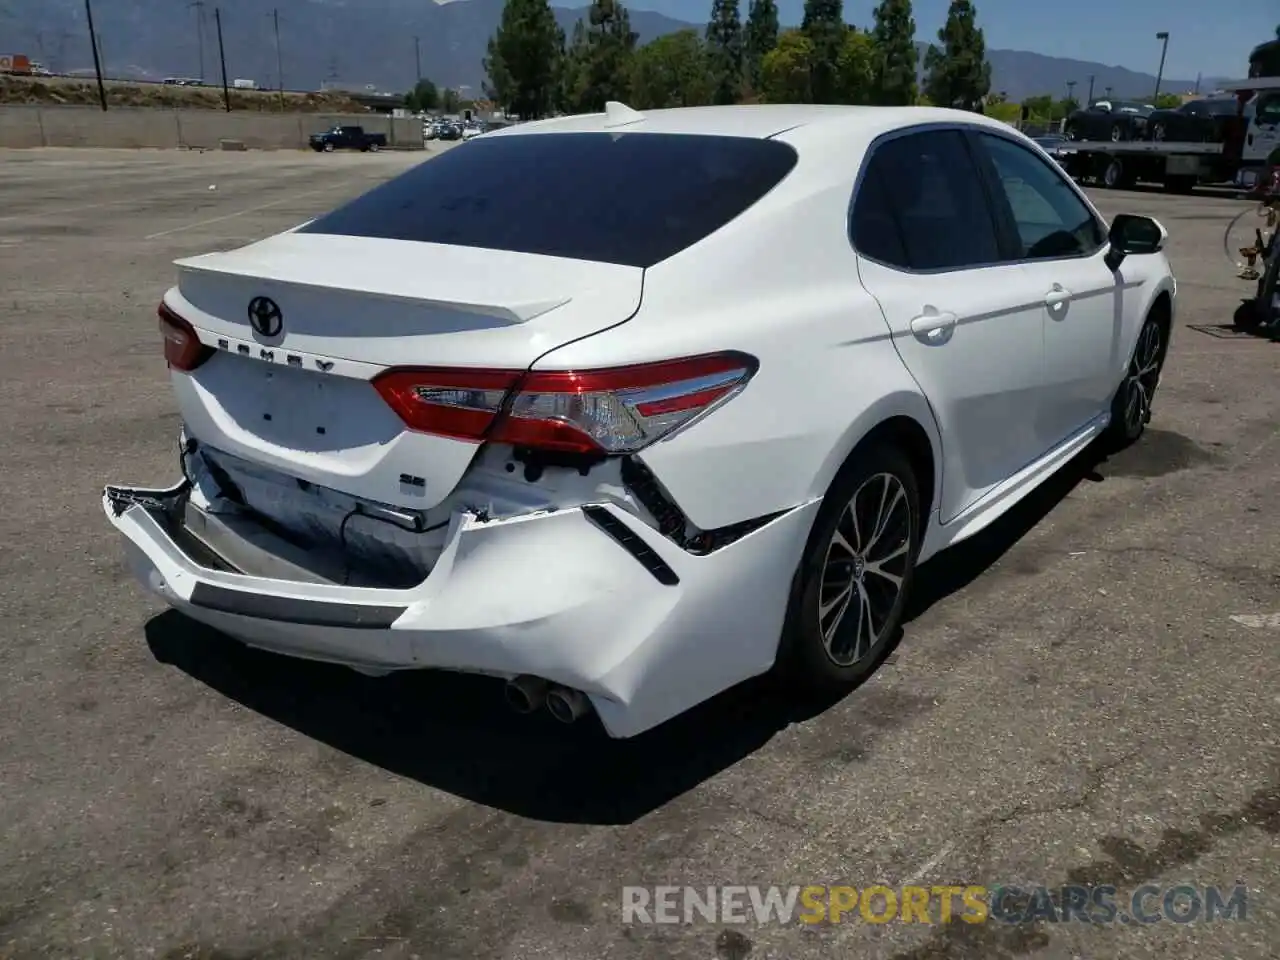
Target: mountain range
<point>385,43</point>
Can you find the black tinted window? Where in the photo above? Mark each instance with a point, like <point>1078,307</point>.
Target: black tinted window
<point>1052,221</point>
<point>875,229</point>
<point>632,199</point>
<point>933,189</point>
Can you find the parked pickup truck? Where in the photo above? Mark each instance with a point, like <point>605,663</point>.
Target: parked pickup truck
<point>347,138</point>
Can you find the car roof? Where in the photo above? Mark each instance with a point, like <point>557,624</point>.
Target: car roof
<point>758,121</point>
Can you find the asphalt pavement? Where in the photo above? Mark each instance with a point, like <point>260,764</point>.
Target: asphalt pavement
<point>1073,702</point>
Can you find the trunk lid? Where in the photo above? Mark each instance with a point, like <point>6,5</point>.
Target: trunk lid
<point>299,400</point>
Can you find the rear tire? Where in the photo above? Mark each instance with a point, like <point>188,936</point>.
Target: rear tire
<point>1117,132</point>
<point>852,584</point>
<point>1113,174</point>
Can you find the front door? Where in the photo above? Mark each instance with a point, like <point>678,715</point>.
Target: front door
<point>1062,245</point>
<point>967,325</point>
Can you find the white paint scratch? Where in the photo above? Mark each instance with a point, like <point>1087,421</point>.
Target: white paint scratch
<point>933,861</point>
<point>1262,621</point>
<point>240,213</point>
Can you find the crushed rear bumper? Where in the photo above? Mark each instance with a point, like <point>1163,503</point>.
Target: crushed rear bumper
<point>588,597</point>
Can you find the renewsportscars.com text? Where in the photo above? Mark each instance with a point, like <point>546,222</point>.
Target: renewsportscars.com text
<point>1001,903</point>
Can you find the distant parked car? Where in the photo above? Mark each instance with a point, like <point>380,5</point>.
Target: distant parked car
<point>348,138</point>
<point>1114,120</point>
<point>1200,121</point>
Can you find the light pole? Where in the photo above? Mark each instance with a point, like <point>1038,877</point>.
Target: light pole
<point>1091,79</point>
<point>417,56</point>
<point>1163,37</point>
<point>97,55</point>
<point>1071,90</point>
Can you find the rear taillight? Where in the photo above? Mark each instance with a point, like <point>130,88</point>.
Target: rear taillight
<point>182,347</point>
<point>611,411</point>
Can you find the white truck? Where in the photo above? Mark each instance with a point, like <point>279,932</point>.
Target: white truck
<point>245,84</point>
<point>1180,166</point>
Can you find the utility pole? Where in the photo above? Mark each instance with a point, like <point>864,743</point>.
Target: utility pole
<point>97,60</point>
<point>222,56</point>
<point>1091,79</point>
<point>417,55</point>
<point>199,8</point>
<point>1071,89</point>
<point>275,17</point>
<point>1163,36</point>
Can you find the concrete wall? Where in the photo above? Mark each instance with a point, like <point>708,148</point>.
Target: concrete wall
<point>124,127</point>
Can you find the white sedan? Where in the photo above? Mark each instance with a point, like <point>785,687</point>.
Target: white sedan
<point>688,406</point>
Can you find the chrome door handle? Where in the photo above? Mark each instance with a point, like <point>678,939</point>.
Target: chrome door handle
<point>1056,297</point>
<point>933,327</point>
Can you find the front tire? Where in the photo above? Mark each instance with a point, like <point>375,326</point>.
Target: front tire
<point>1131,406</point>
<point>852,585</point>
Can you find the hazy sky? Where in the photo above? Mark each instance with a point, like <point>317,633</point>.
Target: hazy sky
<point>1213,39</point>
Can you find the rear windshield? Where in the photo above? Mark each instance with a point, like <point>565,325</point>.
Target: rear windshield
<point>633,199</point>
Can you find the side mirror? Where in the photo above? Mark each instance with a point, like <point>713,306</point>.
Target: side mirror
<point>1132,234</point>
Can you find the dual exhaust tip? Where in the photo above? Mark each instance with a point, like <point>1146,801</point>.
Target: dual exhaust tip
<point>525,694</point>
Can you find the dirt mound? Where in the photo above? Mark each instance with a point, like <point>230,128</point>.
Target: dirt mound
<point>55,91</point>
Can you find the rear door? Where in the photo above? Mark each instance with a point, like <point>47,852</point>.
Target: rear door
<point>1062,245</point>
<point>967,325</point>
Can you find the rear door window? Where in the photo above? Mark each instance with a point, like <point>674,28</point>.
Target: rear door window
<point>931,186</point>
<point>627,198</point>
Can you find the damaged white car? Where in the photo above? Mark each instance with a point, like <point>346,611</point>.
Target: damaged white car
<point>626,409</point>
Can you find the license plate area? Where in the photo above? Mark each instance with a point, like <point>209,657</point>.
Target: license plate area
<point>295,408</point>
<point>295,403</point>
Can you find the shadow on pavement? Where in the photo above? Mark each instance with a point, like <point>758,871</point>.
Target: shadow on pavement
<point>455,733</point>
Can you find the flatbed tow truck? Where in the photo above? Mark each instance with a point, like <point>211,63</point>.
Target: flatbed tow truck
<point>1180,167</point>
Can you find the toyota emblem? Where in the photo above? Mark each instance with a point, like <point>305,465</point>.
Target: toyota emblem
<point>265,317</point>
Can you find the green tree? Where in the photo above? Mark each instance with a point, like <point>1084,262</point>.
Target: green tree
<point>1004,111</point>
<point>760,36</point>
<point>1065,107</point>
<point>1168,101</point>
<point>824,26</point>
<point>449,100</point>
<point>786,70</point>
<point>423,97</point>
<point>894,36</point>
<point>524,58</point>
<point>724,49</point>
<point>855,67</point>
<point>672,71</point>
<point>956,72</point>
<point>598,63</point>
<point>1039,109</point>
